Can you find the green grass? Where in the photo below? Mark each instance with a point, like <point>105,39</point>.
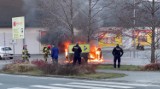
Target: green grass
<point>101,75</point>
<point>33,72</point>
<point>86,76</point>
<point>123,67</point>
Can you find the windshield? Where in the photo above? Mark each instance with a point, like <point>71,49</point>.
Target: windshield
<point>6,49</point>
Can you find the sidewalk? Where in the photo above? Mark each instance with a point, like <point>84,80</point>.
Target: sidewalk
<point>136,76</point>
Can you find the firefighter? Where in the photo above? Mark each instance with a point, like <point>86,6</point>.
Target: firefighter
<point>46,51</point>
<point>25,54</point>
<point>77,54</point>
<point>117,53</point>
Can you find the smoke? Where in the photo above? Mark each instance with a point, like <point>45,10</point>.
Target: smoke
<point>29,7</point>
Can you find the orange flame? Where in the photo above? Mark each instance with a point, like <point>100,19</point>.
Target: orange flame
<point>66,52</point>
<point>95,54</point>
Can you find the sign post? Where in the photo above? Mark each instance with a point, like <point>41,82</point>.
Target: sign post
<point>13,42</point>
<point>18,27</point>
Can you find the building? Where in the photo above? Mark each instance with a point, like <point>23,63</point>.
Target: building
<point>31,39</point>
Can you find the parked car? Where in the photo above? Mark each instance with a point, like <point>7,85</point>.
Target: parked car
<point>6,52</point>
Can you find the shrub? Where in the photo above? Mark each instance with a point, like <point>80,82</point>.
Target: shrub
<point>38,63</point>
<point>66,69</point>
<point>49,68</point>
<point>16,61</point>
<point>18,68</point>
<point>87,68</point>
<point>69,69</point>
<point>152,67</point>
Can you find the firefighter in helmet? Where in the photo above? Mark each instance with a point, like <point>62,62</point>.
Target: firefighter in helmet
<point>25,54</point>
<point>46,51</point>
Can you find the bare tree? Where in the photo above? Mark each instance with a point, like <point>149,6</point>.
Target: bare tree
<point>147,15</point>
<point>94,16</point>
<point>59,14</point>
<point>153,9</point>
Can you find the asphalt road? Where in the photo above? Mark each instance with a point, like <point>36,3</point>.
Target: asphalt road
<point>30,82</point>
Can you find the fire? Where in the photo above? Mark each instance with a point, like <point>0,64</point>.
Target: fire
<point>94,56</point>
<point>66,52</point>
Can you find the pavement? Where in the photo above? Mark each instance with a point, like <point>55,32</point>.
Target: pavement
<point>136,76</point>
<point>30,82</point>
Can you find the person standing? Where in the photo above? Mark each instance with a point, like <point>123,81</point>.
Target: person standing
<point>117,53</point>
<point>25,54</point>
<point>46,51</point>
<point>54,54</point>
<point>77,54</point>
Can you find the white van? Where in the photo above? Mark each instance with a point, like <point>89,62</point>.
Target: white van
<point>6,52</point>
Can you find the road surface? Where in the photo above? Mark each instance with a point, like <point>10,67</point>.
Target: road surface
<point>30,82</point>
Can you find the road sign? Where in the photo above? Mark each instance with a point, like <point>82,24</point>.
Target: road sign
<point>18,26</point>
<point>13,41</point>
<point>85,48</point>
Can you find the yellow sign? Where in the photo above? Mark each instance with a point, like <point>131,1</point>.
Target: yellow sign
<point>18,26</point>
<point>85,48</point>
<point>110,40</point>
<point>143,37</point>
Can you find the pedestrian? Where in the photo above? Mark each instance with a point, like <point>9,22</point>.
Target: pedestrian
<point>117,53</point>
<point>54,53</point>
<point>46,51</point>
<point>77,54</point>
<point>25,54</point>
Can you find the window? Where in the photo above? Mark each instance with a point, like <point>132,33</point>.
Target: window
<point>6,49</point>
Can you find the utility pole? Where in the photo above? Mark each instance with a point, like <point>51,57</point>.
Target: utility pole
<point>134,23</point>
<point>71,22</point>
<point>4,34</point>
<point>89,20</point>
<point>4,39</point>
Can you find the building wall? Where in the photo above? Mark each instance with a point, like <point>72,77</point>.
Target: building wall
<point>31,40</point>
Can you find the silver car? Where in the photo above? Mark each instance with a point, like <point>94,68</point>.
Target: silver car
<point>6,52</point>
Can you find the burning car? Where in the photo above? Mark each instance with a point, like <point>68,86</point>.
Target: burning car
<point>90,54</point>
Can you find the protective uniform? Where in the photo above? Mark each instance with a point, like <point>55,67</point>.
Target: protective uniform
<point>117,53</point>
<point>25,55</point>
<point>77,54</point>
<point>46,52</point>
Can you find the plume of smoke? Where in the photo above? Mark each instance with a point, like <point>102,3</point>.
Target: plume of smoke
<point>29,7</point>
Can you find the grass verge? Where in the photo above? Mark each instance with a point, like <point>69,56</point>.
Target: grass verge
<point>101,75</point>
<point>41,68</point>
<point>82,76</point>
<point>123,67</point>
